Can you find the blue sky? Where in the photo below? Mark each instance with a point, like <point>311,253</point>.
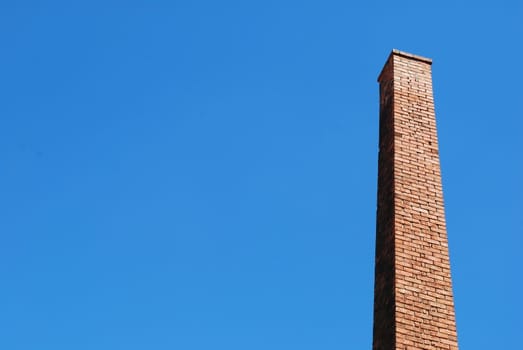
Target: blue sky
<point>202,174</point>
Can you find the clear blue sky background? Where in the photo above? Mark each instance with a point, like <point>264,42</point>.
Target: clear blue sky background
<point>202,174</point>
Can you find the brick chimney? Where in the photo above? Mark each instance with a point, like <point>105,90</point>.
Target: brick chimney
<point>413,303</point>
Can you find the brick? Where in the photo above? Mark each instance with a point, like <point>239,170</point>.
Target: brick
<point>413,302</point>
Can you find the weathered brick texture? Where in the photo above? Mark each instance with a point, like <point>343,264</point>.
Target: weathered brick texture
<point>413,303</point>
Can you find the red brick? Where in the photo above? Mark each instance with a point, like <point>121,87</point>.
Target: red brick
<point>413,304</point>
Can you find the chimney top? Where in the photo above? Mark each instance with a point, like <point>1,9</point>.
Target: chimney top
<point>411,56</point>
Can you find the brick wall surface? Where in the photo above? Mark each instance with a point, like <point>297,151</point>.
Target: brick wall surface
<point>413,303</point>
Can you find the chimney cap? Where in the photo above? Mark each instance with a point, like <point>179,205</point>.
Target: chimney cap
<point>396,52</point>
<point>410,55</point>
